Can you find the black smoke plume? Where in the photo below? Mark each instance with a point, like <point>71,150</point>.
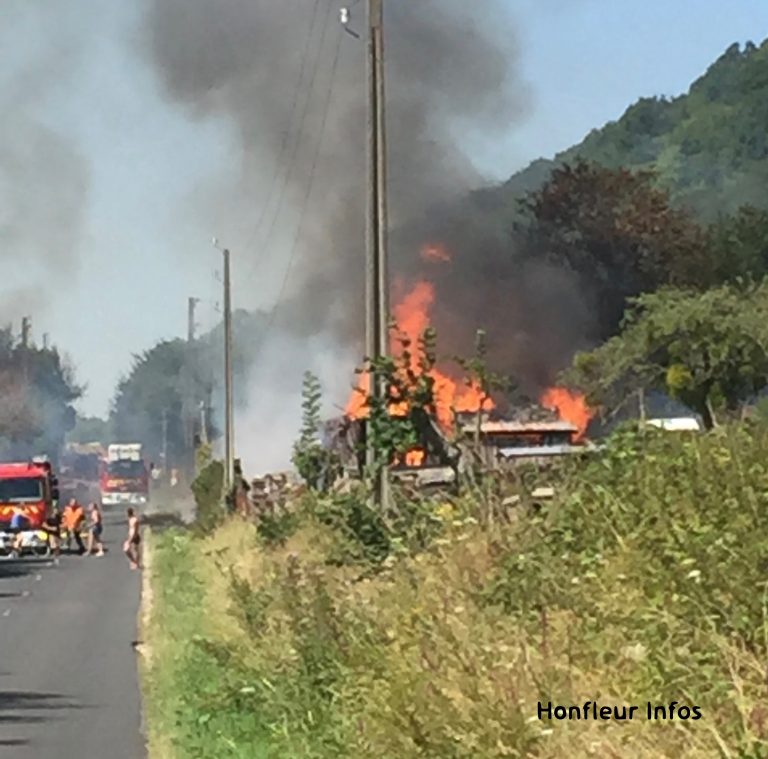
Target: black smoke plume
<point>451,67</point>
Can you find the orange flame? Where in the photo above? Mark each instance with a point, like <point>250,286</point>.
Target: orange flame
<point>412,316</point>
<point>572,407</point>
<point>415,457</point>
<point>435,253</point>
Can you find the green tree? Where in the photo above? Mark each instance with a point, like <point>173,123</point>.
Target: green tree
<point>148,406</point>
<point>316,465</point>
<point>39,389</point>
<point>710,350</point>
<point>739,246</point>
<point>404,416</point>
<point>618,232</point>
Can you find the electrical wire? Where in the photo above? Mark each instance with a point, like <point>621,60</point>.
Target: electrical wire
<point>307,194</point>
<point>297,144</point>
<point>287,133</point>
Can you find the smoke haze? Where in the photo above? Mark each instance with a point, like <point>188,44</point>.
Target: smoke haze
<point>451,69</point>
<point>43,177</point>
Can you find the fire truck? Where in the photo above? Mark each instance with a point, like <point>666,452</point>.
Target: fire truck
<point>30,486</point>
<point>124,478</point>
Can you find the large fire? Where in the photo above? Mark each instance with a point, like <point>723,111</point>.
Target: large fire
<point>412,317</point>
<point>572,407</point>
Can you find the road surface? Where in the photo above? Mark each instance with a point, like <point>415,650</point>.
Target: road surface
<point>68,668</point>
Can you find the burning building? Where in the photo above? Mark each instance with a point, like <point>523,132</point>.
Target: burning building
<point>465,424</point>
<point>498,444</point>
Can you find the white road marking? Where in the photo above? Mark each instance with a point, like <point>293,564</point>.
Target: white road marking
<point>7,613</point>
<point>38,577</point>
<point>24,593</point>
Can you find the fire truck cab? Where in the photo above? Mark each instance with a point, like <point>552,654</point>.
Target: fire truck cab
<point>30,486</point>
<point>124,478</point>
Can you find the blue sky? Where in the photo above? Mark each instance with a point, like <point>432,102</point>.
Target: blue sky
<point>584,62</point>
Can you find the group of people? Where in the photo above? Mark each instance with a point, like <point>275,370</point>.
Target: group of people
<point>68,526</point>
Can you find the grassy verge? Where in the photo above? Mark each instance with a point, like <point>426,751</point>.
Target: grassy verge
<point>185,670</point>
<point>436,635</point>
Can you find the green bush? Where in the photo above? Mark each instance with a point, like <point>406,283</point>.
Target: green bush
<point>661,542</point>
<point>360,531</point>
<point>275,529</point>
<point>207,490</point>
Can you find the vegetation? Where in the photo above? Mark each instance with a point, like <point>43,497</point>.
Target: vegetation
<point>643,582</point>
<point>208,490</point>
<point>710,350</point>
<point>38,389</point>
<point>328,628</point>
<point>317,466</point>
<point>149,404</point>
<point>708,146</point>
<point>158,401</point>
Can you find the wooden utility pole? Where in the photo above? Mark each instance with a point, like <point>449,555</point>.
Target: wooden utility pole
<point>229,459</point>
<point>26,328</point>
<point>165,441</point>
<point>191,305</point>
<point>377,278</point>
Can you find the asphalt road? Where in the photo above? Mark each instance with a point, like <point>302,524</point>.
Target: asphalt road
<point>68,668</point>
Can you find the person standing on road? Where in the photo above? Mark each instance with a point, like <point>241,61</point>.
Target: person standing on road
<point>52,527</point>
<point>94,533</point>
<point>131,545</point>
<point>75,516</point>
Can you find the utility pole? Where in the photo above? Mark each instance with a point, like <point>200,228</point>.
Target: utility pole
<point>203,424</point>
<point>189,400</point>
<point>377,278</point>
<point>229,461</point>
<point>26,328</point>
<point>191,305</point>
<point>165,440</point>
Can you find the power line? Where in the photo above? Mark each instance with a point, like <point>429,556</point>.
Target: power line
<point>287,134</point>
<point>297,143</point>
<point>307,193</point>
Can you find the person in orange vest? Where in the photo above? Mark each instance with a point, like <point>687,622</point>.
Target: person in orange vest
<point>74,516</point>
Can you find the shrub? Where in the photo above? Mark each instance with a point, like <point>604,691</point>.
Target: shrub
<point>207,490</point>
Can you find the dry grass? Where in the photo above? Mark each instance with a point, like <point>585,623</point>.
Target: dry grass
<point>446,652</point>
<point>430,672</point>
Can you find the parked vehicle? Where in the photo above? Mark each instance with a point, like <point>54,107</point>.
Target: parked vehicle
<point>124,477</point>
<point>30,486</point>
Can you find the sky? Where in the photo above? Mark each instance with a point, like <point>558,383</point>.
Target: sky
<point>114,273</point>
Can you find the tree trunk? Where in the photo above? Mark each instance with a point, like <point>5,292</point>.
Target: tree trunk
<point>708,414</point>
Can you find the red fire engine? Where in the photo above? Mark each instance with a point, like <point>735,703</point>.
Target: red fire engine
<point>30,486</point>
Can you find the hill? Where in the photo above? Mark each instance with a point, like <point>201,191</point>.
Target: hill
<point>709,146</point>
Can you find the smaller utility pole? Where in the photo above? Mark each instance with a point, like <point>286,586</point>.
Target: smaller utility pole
<point>191,305</point>
<point>165,440</point>
<point>203,424</point>
<point>229,458</point>
<point>26,328</point>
